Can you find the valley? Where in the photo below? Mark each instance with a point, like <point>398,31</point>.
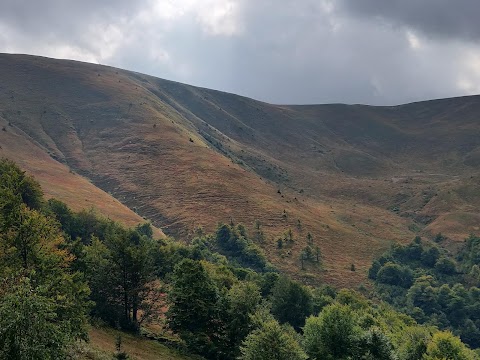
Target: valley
<point>357,178</point>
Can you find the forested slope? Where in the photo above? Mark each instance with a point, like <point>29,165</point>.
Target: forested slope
<point>217,297</point>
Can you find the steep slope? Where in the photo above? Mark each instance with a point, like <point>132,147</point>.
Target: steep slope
<point>60,182</point>
<point>355,177</point>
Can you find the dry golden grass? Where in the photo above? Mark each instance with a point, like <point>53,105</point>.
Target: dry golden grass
<point>59,182</point>
<point>102,345</point>
<point>185,157</point>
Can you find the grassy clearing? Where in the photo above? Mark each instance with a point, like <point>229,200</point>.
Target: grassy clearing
<point>102,347</point>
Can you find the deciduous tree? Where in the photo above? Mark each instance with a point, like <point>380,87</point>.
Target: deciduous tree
<point>271,342</point>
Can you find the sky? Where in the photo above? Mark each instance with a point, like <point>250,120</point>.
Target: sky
<point>281,51</point>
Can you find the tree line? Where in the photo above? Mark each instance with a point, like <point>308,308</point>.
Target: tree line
<point>432,285</point>
<point>60,269</point>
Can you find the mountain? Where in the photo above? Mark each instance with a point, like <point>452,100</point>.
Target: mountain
<point>356,177</point>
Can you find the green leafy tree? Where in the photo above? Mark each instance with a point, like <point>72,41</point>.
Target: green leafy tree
<point>308,253</point>
<point>271,342</point>
<point>375,345</point>
<point>30,327</point>
<point>445,346</point>
<point>394,274</point>
<point>194,307</point>
<point>98,267</point>
<point>64,216</point>
<point>470,333</point>
<point>40,295</point>
<point>352,298</point>
<point>132,256</point>
<point>374,269</point>
<point>224,235</point>
<point>145,229</point>
<point>18,188</point>
<point>121,270</point>
<point>414,343</point>
<point>267,283</point>
<point>430,256</point>
<point>234,242</point>
<point>423,294</point>
<point>243,300</point>
<point>291,302</point>
<point>445,266</point>
<point>322,296</point>
<point>333,334</point>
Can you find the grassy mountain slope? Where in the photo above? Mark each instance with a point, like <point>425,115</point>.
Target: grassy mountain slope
<point>356,177</point>
<point>102,345</point>
<point>60,182</point>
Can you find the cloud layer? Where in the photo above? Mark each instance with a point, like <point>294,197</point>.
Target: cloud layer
<point>288,51</point>
<point>437,18</point>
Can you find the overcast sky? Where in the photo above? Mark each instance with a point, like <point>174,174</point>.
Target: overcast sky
<point>280,51</point>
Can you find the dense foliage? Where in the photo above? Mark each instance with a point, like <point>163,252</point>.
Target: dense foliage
<point>234,242</point>
<point>43,300</point>
<point>118,263</point>
<point>218,295</point>
<point>428,283</point>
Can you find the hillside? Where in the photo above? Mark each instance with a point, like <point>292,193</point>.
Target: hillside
<point>101,346</point>
<point>59,181</point>
<point>356,177</point>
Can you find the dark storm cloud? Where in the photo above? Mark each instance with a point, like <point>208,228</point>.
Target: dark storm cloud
<point>289,51</point>
<point>307,52</point>
<point>445,18</point>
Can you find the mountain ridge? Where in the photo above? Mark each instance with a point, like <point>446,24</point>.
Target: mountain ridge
<point>357,177</point>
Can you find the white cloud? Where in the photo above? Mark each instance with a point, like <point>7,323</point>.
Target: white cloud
<point>469,77</point>
<point>106,39</point>
<point>216,17</point>
<point>413,40</point>
<point>219,17</point>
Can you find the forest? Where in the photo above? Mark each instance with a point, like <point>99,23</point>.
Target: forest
<point>433,285</point>
<point>218,297</point>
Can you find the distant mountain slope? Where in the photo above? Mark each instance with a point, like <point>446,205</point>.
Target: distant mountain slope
<point>58,181</point>
<point>356,177</point>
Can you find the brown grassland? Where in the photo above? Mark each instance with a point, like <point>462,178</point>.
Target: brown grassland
<point>356,177</point>
<point>102,345</point>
